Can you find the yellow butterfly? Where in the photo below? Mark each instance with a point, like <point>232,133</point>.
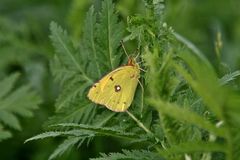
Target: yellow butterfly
<point>116,89</point>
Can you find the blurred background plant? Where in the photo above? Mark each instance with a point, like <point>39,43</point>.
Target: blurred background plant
<point>213,26</point>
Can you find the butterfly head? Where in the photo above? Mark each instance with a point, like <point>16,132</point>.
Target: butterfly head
<point>132,62</point>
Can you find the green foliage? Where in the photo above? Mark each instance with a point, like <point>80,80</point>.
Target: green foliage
<point>134,155</point>
<point>109,35</point>
<point>189,111</point>
<point>20,101</point>
<point>22,41</point>
<point>81,66</point>
<point>77,13</point>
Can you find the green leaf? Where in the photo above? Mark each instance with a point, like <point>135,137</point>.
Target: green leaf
<point>99,130</point>
<point>130,154</point>
<point>191,147</point>
<point>15,102</point>
<point>204,81</point>
<point>63,147</point>
<point>70,93</point>
<point>46,135</point>
<point>4,134</point>
<point>229,77</point>
<point>192,47</point>
<point>177,112</point>
<point>109,35</point>
<point>7,84</point>
<point>68,68</point>
<point>9,119</point>
<point>56,134</point>
<point>103,118</point>
<point>78,113</point>
<point>66,53</point>
<point>89,45</point>
<point>61,74</point>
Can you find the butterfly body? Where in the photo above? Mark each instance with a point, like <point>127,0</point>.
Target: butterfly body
<point>116,89</point>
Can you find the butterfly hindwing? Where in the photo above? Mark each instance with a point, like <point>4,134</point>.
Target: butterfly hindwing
<point>116,89</point>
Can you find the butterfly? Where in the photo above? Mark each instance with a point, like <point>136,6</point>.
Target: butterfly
<point>116,89</point>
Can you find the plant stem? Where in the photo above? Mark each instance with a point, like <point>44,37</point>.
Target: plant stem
<point>140,124</point>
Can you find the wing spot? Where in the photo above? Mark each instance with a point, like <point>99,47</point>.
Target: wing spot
<point>125,103</point>
<point>132,76</point>
<point>111,78</point>
<point>117,88</point>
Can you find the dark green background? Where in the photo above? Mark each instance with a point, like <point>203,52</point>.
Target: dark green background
<point>25,47</point>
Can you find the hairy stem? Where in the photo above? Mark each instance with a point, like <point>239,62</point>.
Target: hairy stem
<point>140,124</point>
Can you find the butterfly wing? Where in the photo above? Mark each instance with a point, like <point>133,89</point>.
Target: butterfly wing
<point>116,90</point>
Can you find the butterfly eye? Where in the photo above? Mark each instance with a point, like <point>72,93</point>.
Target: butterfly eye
<point>117,88</point>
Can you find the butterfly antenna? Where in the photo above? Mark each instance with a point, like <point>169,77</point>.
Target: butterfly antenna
<point>124,48</point>
<point>143,70</point>
<point>140,62</point>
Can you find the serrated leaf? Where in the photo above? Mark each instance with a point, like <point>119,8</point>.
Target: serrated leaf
<point>56,134</point>
<point>100,130</point>
<point>103,118</point>
<point>66,52</point>
<point>5,135</point>
<point>204,81</point>
<point>6,85</point>
<point>130,154</point>
<point>191,147</point>
<point>19,102</point>
<point>64,146</point>
<point>9,119</point>
<point>110,33</point>
<point>79,113</point>
<point>175,111</point>
<point>71,93</point>
<point>229,77</point>
<point>61,74</point>
<point>89,46</point>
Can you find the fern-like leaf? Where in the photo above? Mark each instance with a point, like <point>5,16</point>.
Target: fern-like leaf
<point>229,77</point>
<point>73,133</point>
<point>66,52</point>
<point>177,112</point>
<point>4,134</point>
<point>205,78</point>
<point>18,102</point>
<point>79,113</point>
<point>191,147</point>
<point>99,130</point>
<point>89,45</point>
<point>110,33</point>
<point>63,147</point>
<point>133,155</point>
